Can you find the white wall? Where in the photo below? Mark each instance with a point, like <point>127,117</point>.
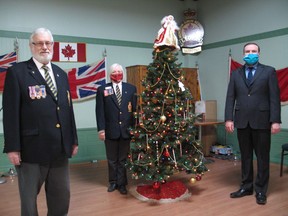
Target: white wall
<point>127,20</point>
<point>139,21</point>
<point>224,20</point>
<point>135,20</point>
<point>228,19</point>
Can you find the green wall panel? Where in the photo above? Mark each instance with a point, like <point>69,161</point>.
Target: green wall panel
<point>276,142</point>
<point>90,149</point>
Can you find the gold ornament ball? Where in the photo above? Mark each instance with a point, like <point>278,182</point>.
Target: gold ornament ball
<point>192,180</point>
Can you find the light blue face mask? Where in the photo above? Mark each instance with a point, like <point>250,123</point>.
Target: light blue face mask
<point>251,58</point>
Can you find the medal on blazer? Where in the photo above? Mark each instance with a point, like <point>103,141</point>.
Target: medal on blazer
<point>129,107</point>
<point>37,92</point>
<point>43,91</point>
<point>68,97</point>
<point>108,91</point>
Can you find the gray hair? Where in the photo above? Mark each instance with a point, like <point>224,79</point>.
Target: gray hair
<point>113,66</point>
<point>40,31</point>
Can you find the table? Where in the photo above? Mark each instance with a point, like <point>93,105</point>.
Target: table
<point>208,133</point>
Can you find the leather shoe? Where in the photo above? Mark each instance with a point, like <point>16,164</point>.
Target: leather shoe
<point>122,189</point>
<point>261,199</point>
<point>112,187</point>
<point>241,193</point>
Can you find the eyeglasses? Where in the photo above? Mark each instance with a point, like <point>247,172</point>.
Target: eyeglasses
<point>41,44</point>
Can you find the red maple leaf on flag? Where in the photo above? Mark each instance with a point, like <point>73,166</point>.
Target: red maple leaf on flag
<point>68,52</point>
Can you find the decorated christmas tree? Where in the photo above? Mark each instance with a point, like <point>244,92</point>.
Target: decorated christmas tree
<point>164,139</point>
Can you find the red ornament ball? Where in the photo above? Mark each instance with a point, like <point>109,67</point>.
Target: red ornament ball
<point>166,153</point>
<point>156,185</point>
<point>198,177</point>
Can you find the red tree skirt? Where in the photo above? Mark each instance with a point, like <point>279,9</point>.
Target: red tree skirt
<point>168,192</point>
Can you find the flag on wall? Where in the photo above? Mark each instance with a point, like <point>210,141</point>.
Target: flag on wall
<point>69,52</point>
<point>199,90</point>
<point>85,80</point>
<point>6,61</point>
<point>233,65</point>
<point>282,75</point>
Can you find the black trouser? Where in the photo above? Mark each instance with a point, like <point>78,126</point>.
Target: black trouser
<point>57,187</point>
<point>259,141</point>
<point>117,152</point>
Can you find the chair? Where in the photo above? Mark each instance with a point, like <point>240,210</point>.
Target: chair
<point>284,148</point>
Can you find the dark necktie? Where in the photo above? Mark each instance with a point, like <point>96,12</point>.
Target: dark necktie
<point>49,81</point>
<point>250,75</point>
<point>118,95</point>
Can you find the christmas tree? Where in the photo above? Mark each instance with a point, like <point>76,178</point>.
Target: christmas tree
<point>164,138</point>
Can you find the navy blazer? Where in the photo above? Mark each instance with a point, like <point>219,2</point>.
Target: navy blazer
<point>41,128</point>
<point>258,103</point>
<point>111,117</point>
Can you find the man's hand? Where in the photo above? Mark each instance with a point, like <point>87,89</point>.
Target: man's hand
<point>229,126</point>
<point>275,128</point>
<point>101,135</point>
<point>74,150</point>
<point>14,157</point>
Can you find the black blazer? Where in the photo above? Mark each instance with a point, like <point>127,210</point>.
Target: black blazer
<point>258,103</point>
<point>41,129</point>
<point>110,117</point>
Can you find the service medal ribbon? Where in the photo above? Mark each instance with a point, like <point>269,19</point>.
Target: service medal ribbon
<point>43,91</point>
<point>129,107</point>
<point>38,92</point>
<point>32,92</point>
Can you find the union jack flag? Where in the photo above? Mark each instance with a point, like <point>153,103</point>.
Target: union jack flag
<point>85,80</point>
<point>6,61</point>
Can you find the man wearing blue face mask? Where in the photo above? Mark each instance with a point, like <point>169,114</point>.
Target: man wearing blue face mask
<point>253,107</point>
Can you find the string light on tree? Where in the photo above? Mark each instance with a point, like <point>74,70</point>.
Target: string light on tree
<point>163,139</point>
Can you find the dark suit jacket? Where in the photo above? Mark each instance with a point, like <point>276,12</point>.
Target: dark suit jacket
<point>113,119</point>
<point>258,103</point>
<point>41,129</point>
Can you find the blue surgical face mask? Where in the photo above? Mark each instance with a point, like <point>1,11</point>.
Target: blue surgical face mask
<point>251,58</point>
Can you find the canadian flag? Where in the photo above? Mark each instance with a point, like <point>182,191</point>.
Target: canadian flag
<point>69,52</point>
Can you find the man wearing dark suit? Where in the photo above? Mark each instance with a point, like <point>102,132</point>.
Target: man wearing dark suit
<point>253,107</point>
<point>114,113</point>
<point>39,127</point>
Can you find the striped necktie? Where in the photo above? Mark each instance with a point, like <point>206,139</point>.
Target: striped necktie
<point>118,95</point>
<point>49,81</point>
